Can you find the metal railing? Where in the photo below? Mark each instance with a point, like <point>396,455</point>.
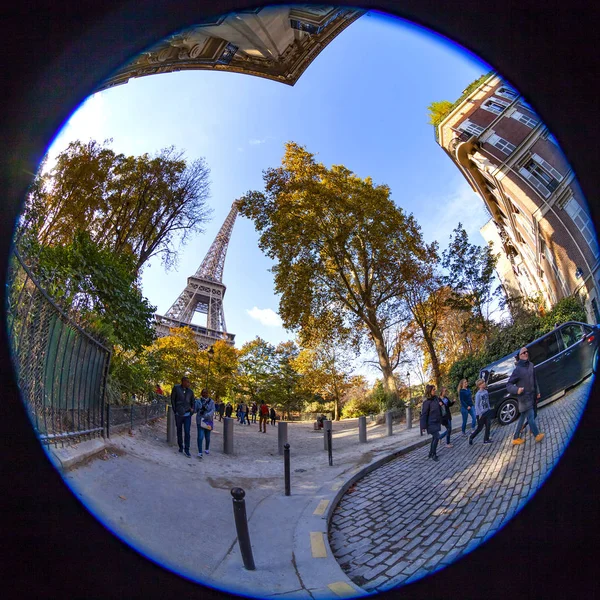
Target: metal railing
<point>61,369</point>
<point>120,417</point>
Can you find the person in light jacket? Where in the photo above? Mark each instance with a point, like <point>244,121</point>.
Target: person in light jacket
<point>524,385</point>
<point>431,419</point>
<point>484,416</point>
<point>205,412</point>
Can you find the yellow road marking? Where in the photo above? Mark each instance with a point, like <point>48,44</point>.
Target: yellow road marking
<point>341,588</point>
<point>321,508</point>
<point>317,545</point>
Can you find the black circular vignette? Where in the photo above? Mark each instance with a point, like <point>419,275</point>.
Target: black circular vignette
<point>55,54</point>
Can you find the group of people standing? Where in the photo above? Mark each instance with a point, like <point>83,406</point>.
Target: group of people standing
<point>522,383</point>
<point>185,404</point>
<point>244,412</point>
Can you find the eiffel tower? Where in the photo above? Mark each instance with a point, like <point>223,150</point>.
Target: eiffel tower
<point>204,294</point>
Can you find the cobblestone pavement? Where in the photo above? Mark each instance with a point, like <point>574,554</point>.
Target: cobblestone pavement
<point>413,516</point>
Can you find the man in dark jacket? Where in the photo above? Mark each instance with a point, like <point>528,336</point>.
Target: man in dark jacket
<point>228,410</point>
<point>523,384</point>
<point>182,401</point>
<point>431,419</point>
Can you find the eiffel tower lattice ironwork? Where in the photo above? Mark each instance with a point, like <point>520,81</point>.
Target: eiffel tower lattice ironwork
<point>204,294</point>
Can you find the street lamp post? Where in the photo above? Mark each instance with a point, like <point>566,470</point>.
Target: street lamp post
<point>408,376</point>
<point>211,353</point>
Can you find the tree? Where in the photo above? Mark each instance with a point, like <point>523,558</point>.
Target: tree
<point>470,276</point>
<point>98,287</point>
<point>438,111</point>
<point>175,356</point>
<point>325,368</point>
<point>223,369</point>
<point>138,205</point>
<point>286,390</point>
<point>340,247</point>
<point>256,369</point>
<point>358,399</point>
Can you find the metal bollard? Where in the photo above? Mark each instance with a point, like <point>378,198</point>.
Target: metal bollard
<point>282,436</point>
<point>241,526</point>
<point>408,417</point>
<point>329,449</point>
<point>286,468</point>
<point>388,419</point>
<point>362,430</point>
<point>227,435</point>
<point>171,426</point>
<point>326,426</point>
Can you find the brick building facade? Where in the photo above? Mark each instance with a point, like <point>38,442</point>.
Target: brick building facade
<point>513,163</point>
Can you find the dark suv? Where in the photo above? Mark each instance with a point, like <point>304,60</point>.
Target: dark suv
<point>562,358</point>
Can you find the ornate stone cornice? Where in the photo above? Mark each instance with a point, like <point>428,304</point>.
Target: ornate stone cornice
<point>279,47</point>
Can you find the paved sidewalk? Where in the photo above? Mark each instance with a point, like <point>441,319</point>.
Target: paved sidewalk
<point>413,516</point>
<point>177,511</point>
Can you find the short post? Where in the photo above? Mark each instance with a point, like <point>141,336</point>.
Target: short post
<point>388,419</point>
<point>228,435</point>
<point>286,468</point>
<point>282,436</point>
<point>108,421</point>
<point>241,526</point>
<point>329,449</point>
<point>131,418</point>
<point>171,426</point>
<point>326,428</point>
<point>409,417</point>
<point>362,430</point>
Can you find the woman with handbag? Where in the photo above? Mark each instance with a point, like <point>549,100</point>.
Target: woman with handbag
<point>205,409</point>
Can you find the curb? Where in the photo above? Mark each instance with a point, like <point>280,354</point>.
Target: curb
<point>66,458</point>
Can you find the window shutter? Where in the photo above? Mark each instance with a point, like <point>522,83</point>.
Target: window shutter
<point>538,159</point>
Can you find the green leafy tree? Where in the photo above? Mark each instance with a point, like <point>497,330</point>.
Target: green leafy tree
<point>438,111</point>
<point>223,369</point>
<point>286,390</point>
<point>141,205</point>
<point>470,277</point>
<point>99,287</point>
<point>340,247</point>
<point>256,370</point>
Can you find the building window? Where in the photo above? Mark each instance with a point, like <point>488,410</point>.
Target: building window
<point>471,128</point>
<point>502,144</point>
<point>583,222</point>
<point>541,175</point>
<point>494,105</point>
<point>526,120</point>
<point>506,92</point>
<point>557,274</point>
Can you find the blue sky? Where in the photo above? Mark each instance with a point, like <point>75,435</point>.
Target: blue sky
<point>362,103</point>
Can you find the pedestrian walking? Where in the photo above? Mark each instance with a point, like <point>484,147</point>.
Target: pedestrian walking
<point>431,419</point>
<point>263,417</point>
<point>228,410</point>
<point>182,402</point>
<point>483,412</point>
<point>445,404</point>
<point>273,416</point>
<point>242,412</point>
<point>247,415</point>
<point>466,405</point>
<point>523,383</point>
<point>205,410</point>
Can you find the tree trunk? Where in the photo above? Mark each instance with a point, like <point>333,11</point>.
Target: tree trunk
<point>389,382</point>
<point>435,363</point>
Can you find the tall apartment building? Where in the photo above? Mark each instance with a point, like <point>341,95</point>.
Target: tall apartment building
<point>541,221</point>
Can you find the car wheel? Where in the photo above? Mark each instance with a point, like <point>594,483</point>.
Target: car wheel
<point>595,362</point>
<point>508,412</point>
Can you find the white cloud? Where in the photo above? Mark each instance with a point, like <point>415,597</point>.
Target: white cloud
<point>265,316</point>
<point>256,142</point>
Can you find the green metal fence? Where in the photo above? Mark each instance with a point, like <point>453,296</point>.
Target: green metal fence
<point>61,369</point>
